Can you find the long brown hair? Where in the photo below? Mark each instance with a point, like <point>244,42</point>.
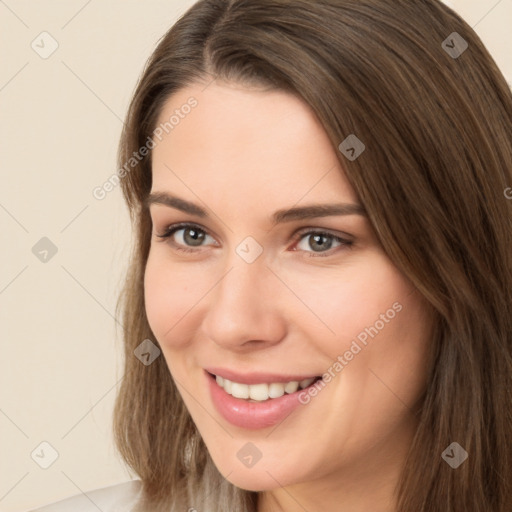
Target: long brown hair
<point>437,129</point>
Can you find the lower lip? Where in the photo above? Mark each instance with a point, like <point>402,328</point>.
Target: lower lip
<point>252,415</point>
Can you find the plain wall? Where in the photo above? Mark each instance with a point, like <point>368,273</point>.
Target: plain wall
<point>60,123</point>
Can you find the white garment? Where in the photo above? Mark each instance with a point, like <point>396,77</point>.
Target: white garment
<point>116,498</point>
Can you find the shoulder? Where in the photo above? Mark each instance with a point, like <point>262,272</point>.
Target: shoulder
<point>115,498</point>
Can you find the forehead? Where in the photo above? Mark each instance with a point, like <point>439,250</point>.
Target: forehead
<point>254,146</point>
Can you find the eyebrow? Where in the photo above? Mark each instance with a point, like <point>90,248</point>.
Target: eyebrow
<point>280,216</point>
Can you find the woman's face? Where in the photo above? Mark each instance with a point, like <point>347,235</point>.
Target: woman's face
<point>275,276</point>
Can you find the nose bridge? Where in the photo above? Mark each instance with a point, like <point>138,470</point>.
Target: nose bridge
<point>242,289</point>
<point>242,305</point>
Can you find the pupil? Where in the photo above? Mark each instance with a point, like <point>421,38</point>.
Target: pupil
<point>321,241</point>
<point>193,237</point>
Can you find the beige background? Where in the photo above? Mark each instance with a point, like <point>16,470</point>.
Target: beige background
<point>60,123</point>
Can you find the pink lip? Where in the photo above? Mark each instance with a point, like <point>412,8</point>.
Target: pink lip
<point>256,377</point>
<point>252,415</point>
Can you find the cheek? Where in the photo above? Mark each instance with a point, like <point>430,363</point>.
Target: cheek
<point>351,301</point>
<point>379,332</point>
<point>169,293</point>
<point>385,333</point>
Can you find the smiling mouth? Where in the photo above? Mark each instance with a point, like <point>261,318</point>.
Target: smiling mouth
<point>262,392</point>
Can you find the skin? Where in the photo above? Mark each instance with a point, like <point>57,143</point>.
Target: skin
<point>242,154</point>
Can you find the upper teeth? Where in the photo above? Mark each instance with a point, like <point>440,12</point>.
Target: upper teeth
<point>261,392</point>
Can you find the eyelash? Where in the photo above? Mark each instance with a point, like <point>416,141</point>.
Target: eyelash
<point>171,230</point>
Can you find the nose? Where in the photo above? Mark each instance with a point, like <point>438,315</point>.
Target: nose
<point>244,312</point>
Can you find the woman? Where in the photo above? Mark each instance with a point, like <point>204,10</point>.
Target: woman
<point>318,310</point>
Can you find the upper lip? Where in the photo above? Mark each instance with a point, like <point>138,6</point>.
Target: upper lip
<point>257,377</point>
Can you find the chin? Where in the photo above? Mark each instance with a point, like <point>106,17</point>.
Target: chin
<point>263,476</point>
<point>261,481</point>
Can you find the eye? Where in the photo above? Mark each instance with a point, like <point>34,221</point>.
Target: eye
<point>188,237</point>
<point>315,242</point>
<point>185,236</point>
